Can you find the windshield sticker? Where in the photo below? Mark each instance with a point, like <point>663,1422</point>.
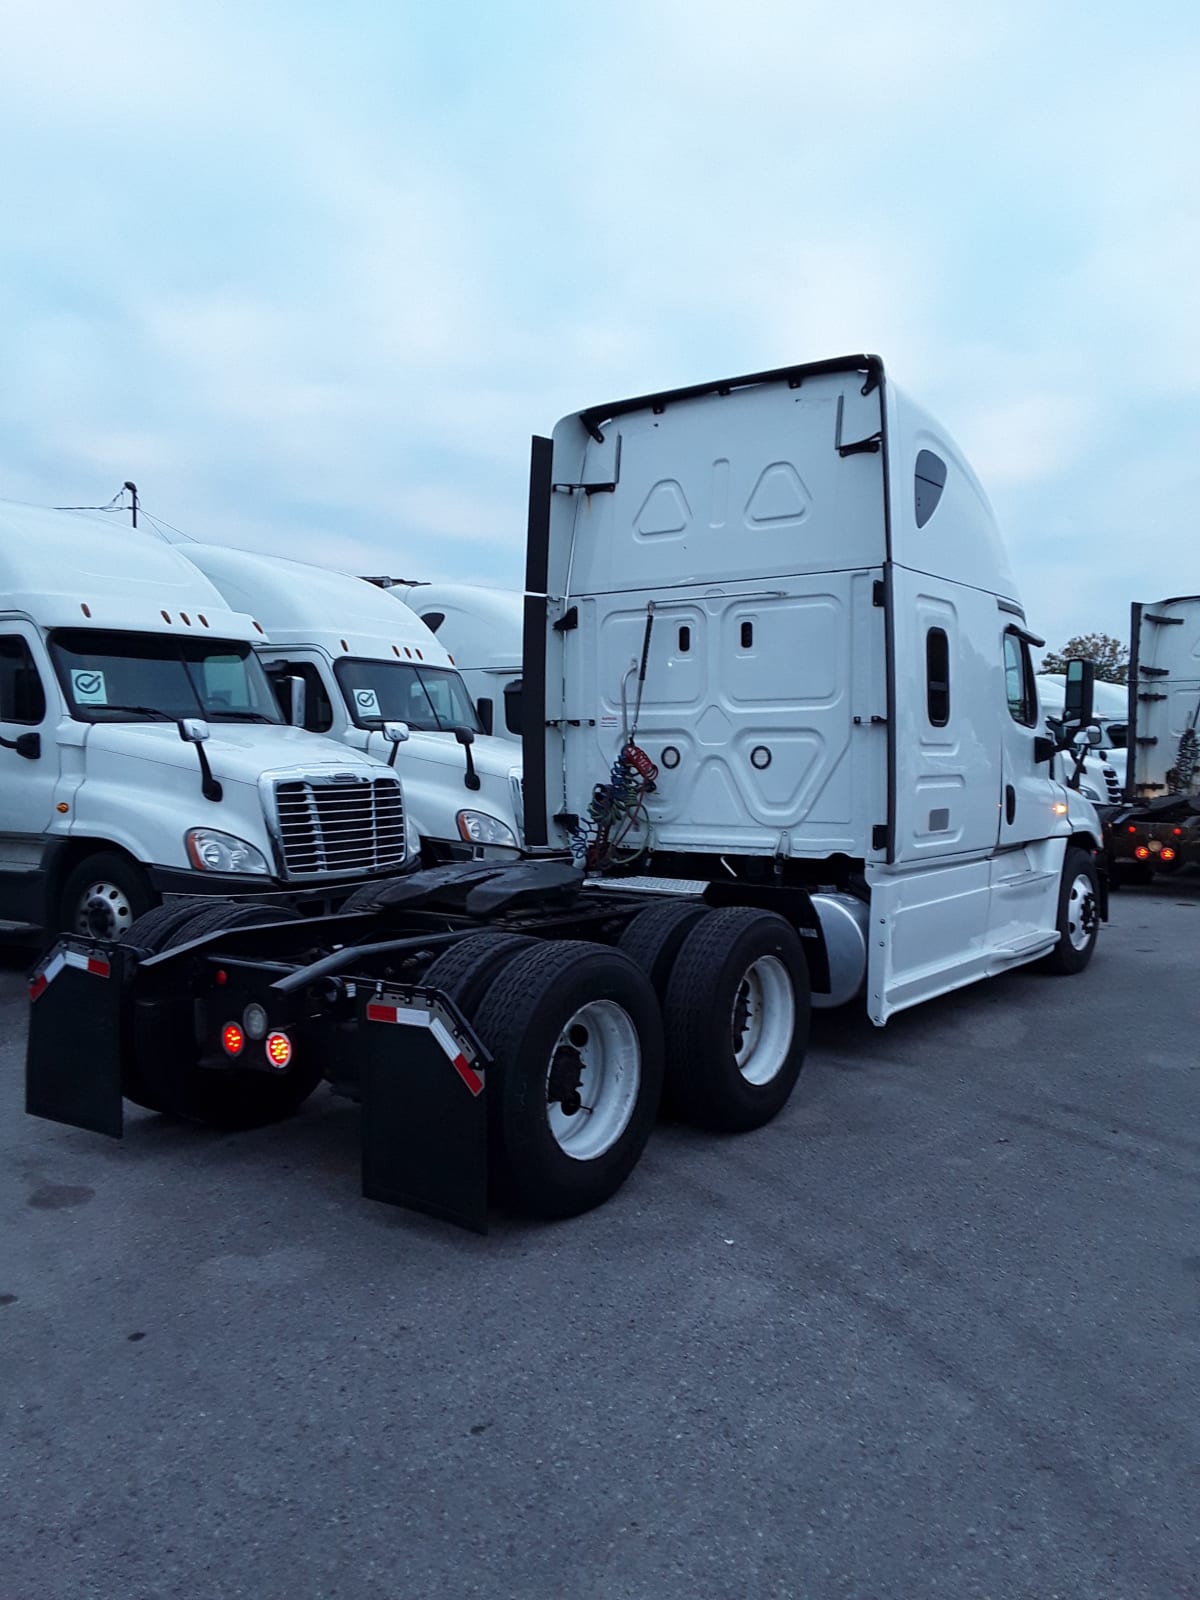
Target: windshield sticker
<point>366,702</point>
<point>88,687</point>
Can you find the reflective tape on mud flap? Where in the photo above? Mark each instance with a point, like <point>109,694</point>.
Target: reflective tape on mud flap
<point>45,975</point>
<point>416,1016</point>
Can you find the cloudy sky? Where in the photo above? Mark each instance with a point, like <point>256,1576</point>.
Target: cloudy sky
<point>312,274</point>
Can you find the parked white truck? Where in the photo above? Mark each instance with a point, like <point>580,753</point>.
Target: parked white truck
<point>1158,831</point>
<point>482,629</point>
<point>142,753</point>
<point>788,596</point>
<point>783,747</point>
<point>1101,775</point>
<point>364,662</point>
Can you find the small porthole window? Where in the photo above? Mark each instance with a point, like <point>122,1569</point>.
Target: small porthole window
<point>937,677</point>
<point>685,641</point>
<point>747,636</point>
<point>928,484</point>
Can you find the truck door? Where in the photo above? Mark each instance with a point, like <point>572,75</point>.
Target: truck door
<point>1027,797</point>
<point>28,716</point>
<point>1027,865</point>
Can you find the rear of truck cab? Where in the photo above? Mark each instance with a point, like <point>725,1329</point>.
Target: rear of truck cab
<point>790,594</point>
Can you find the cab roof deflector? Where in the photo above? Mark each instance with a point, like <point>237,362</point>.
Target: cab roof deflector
<point>595,417</point>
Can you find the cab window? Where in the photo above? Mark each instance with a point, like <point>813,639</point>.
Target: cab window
<point>22,698</point>
<point>318,712</point>
<point>1019,681</point>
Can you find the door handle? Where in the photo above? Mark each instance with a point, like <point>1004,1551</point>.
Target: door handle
<point>1010,804</point>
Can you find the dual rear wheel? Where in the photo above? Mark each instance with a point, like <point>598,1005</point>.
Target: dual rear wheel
<point>713,1005</point>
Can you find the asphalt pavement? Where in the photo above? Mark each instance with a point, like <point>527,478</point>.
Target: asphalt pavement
<point>933,1333</point>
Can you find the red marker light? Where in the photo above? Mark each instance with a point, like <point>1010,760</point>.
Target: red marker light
<point>1178,832</point>
<point>279,1049</point>
<point>1132,829</point>
<point>233,1040</point>
<point>220,977</point>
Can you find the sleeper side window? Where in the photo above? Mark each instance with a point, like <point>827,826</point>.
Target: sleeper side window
<point>1018,681</point>
<point>937,677</point>
<point>929,480</point>
<point>22,698</point>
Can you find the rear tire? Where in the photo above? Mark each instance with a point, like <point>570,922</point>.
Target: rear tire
<point>578,1022</point>
<point>175,1083</point>
<point>1134,872</point>
<point>1078,920</point>
<point>653,939</point>
<point>737,1019</point>
<point>467,970</point>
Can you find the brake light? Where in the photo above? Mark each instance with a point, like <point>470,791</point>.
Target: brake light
<point>279,1049</point>
<point>1167,853</point>
<point>1142,853</point>
<point>233,1040</point>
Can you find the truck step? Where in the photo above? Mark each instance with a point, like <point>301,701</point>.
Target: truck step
<point>1024,945</point>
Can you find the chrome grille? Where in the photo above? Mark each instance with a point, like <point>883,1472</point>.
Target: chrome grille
<point>329,828</point>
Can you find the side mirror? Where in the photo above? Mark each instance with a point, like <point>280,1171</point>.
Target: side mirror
<point>395,733</point>
<point>1044,748</point>
<point>28,745</point>
<point>486,715</point>
<point>1081,678</point>
<point>194,730</point>
<point>466,738</point>
<point>297,700</point>
<point>1094,735</point>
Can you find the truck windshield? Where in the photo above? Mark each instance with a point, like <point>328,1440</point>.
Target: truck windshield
<point>430,699</point>
<point>148,677</point>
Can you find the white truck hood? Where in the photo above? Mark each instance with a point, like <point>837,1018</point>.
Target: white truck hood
<point>493,758</point>
<point>237,752</point>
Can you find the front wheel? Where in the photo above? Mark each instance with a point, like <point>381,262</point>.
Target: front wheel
<point>1078,919</point>
<point>104,896</point>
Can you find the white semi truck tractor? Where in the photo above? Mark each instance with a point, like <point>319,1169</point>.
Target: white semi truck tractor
<point>782,748</point>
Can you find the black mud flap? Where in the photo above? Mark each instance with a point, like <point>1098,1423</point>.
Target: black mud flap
<point>424,1106</point>
<point>76,1025</point>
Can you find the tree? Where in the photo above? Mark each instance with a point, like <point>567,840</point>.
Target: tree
<point>1109,654</point>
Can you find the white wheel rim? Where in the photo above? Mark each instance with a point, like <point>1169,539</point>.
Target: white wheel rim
<point>763,1020</point>
<point>1081,912</point>
<point>103,912</point>
<point>603,1041</point>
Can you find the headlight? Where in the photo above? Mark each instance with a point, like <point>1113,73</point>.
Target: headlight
<point>210,851</point>
<point>478,828</point>
<point>1089,793</point>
